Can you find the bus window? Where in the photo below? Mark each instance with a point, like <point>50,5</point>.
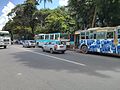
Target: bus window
<point>119,36</point>
<point>41,37</point>
<point>52,36</point>
<point>82,35</point>
<point>46,36</point>
<point>110,35</point>
<point>87,35</point>
<point>56,36</point>
<point>101,35</point>
<point>93,36</point>
<point>5,34</point>
<point>118,33</point>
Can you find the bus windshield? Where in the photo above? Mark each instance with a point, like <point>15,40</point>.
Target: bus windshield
<point>5,34</point>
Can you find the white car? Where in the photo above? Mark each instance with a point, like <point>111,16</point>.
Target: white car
<point>29,43</point>
<point>54,46</point>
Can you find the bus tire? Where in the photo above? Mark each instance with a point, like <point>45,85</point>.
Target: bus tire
<point>84,49</point>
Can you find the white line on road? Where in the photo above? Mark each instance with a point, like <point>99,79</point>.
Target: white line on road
<point>61,59</point>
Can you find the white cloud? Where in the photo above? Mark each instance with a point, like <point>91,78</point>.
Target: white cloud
<point>5,11</point>
<point>63,2</point>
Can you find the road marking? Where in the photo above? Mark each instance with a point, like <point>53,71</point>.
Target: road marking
<point>61,59</point>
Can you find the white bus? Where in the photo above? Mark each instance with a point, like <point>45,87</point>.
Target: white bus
<point>103,40</point>
<point>5,39</point>
<point>43,38</point>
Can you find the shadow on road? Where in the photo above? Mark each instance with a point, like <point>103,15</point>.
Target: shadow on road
<point>105,54</point>
<point>94,64</point>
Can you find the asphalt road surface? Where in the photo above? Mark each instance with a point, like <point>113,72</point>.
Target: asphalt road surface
<point>31,69</point>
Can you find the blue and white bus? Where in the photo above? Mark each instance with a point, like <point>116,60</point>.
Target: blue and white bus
<point>103,40</point>
<point>43,38</point>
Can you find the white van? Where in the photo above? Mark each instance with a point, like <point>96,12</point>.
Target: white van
<point>5,39</point>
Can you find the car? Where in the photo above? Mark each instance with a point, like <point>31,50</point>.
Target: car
<point>29,43</point>
<point>54,46</point>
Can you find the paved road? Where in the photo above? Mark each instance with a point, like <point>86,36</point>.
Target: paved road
<point>32,69</point>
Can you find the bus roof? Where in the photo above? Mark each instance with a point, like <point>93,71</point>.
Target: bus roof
<point>102,28</point>
<point>50,33</point>
<point>78,32</point>
<point>97,29</point>
<point>41,34</point>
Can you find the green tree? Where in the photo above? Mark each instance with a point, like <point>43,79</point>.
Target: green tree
<point>59,21</point>
<point>82,11</point>
<point>56,20</point>
<point>24,16</point>
<point>109,14</point>
<point>92,13</point>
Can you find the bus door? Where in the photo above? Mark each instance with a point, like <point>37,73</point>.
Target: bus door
<point>77,38</point>
<point>71,39</point>
<point>115,38</point>
<point>118,48</point>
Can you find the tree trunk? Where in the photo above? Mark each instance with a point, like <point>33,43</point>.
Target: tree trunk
<point>94,17</point>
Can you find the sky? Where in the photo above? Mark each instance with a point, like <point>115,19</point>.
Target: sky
<point>7,5</point>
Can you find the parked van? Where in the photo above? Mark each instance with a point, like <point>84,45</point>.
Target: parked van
<point>5,39</point>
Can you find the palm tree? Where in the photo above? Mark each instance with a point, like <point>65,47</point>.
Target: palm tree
<point>45,1</point>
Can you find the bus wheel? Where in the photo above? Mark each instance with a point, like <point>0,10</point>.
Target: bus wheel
<point>84,49</point>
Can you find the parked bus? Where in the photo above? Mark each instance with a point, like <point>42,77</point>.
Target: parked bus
<point>5,39</point>
<point>43,38</point>
<point>103,40</point>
